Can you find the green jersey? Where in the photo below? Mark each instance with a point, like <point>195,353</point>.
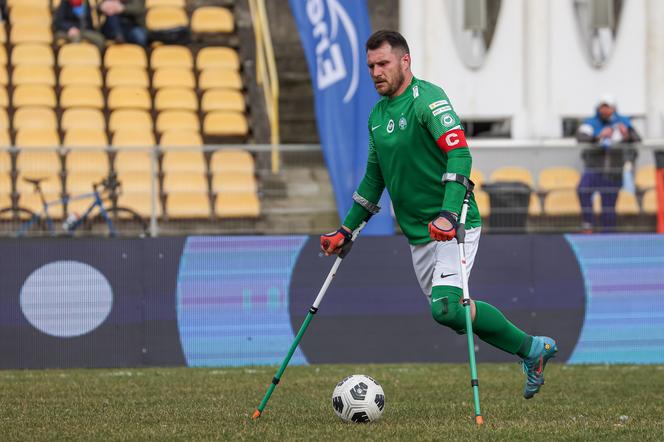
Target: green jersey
<point>414,139</point>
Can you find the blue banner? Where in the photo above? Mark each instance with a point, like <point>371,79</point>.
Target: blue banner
<point>333,33</point>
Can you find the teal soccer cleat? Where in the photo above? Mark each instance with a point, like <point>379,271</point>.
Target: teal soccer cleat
<point>543,349</point>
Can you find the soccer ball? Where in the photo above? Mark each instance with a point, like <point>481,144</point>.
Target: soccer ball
<point>358,398</point>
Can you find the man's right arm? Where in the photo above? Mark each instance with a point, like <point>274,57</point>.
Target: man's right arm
<point>586,133</point>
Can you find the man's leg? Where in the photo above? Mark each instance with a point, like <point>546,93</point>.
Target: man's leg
<point>112,29</point>
<point>609,195</point>
<point>587,187</point>
<point>135,34</point>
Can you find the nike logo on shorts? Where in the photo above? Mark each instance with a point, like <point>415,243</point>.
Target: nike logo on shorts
<point>443,276</point>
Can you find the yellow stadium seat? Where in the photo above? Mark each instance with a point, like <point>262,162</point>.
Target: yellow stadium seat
<point>483,204</point>
<point>158,3</point>
<point>534,206</point>
<point>237,205</point>
<point>81,96</point>
<point>79,54</point>
<point>130,119</point>
<point>87,162</point>
<point>645,177</point>
<point>4,138</point>
<point>125,55</point>
<point>140,202</point>
<point>31,14</point>
<point>217,57</point>
<point>188,205</point>
<point>224,123</point>
<point>171,57</point>
<point>50,184</point>
<point>166,17</point>
<point>175,182</point>
<point>37,138</point>
<point>556,178</point>
<point>5,188</point>
<point>208,19</point>
<point>4,76</point>
<point>177,120</point>
<point>74,118</point>
<point>176,99</point>
<point>4,120</point>
<point>79,182</point>
<point>477,177</point>
<point>5,165</point>
<point>74,75</point>
<point>136,181</point>
<point>228,160</point>
<point>127,76</point>
<point>183,161</point>
<point>562,202</point>
<point>135,162</point>
<point>234,182</point>
<point>125,138</point>
<point>222,99</point>
<point>85,138</point>
<point>35,118</point>
<point>33,75</point>
<point>510,173</point>
<point>3,55</point>
<point>14,3</point>
<point>3,33</point>
<point>38,163</point>
<point>4,99</point>
<point>219,78</point>
<point>627,203</point>
<point>175,138</point>
<point>649,202</point>
<point>34,95</point>
<point>32,54</point>
<point>32,202</point>
<point>129,97</point>
<point>30,33</point>
<point>173,77</point>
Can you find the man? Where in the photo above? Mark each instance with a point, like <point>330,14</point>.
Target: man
<point>73,23</point>
<point>415,137</point>
<point>604,166</point>
<point>125,21</point>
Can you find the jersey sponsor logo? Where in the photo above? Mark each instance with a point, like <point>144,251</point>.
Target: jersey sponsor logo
<point>438,103</point>
<point>452,139</point>
<point>441,110</point>
<point>403,123</point>
<point>447,120</point>
<point>390,126</point>
<point>373,128</point>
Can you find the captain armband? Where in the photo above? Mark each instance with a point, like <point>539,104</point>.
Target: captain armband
<point>370,207</point>
<point>452,139</point>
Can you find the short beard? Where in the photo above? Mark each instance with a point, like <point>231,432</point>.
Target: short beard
<point>390,92</point>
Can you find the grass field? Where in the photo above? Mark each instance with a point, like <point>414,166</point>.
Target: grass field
<point>423,402</point>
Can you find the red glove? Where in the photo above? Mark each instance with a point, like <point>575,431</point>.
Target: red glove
<point>332,242</point>
<point>444,227</point>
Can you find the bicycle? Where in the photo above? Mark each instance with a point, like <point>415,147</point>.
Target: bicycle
<point>121,221</point>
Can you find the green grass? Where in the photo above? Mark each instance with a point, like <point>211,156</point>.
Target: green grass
<point>423,402</point>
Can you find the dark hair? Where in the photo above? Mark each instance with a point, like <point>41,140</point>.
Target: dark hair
<point>393,38</point>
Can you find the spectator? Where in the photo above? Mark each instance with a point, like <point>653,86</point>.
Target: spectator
<point>604,163</point>
<point>73,23</point>
<point>125,21</point>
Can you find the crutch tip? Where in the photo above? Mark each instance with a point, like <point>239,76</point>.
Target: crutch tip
<point>479,420</point>
<point>256,415</point>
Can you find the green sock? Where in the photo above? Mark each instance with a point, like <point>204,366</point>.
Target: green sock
<point>494,328</point>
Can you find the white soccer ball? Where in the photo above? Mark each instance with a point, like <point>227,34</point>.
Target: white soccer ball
<point>358,398</point>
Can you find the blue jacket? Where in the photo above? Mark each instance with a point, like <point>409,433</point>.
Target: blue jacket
<point>591,127</point>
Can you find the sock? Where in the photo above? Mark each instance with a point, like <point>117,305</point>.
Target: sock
<point>494,328</point>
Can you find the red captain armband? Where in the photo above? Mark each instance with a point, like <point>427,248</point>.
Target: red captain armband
<point>452,139</point>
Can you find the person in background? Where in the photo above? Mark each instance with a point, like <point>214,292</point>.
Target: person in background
<point>604,167</point>
<point>73,23</point>
<point>125,21</point>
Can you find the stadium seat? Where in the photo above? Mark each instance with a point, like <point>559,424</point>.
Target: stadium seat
<point>228,160</point>
<point>183,138</point>
<point>188,205</point>
<point>234,182</point>
<point>87,162</point>
<point>130,119</point>
<point>32,14</point>
<point>3,33</point>
<point>176,99</point>
<point>134,162</point>
<point>224,123</point>
<point>177,120</point>
<point>81,96</point>
<point>4,119</point>
<point>127,138</point>
<point>483,204</point>
<point>35,118</point>
<point>13,3</point>
<point>32,54</point>
<point>4,76</point>
<point>183,161</point>
<point>217,57</point>
<point>649,202</point>
<point>34,95</point>
<point>38,163</point>
<point>79,54</point>
<point>173,77</point>
<point>140,202</point>
<point>555,178</point>
<point>166,17</point>
<point>534,206</point>
<point>129,97</point>
<point>50,185</point>
<point>645,177</point>
<point>209,19</point>
<point>157,3</point>
<point>24,75</point>
<point>125,55</point>
<point>510,173</point>
<point>4,99</point>
<point>179,182</point>
<point>237,205</point>
<point>74,118</point>
<point>32,202</point>
<point>30,33</point>
<point>79,182</point>
<point>127,76</point>
<point>5,165</point>
<point>171,57</point>
<point>74,75</point>
<point>37,138</point>
<point>562,202</point>
<point>219,78</point>
<point>5,141</point>
<point>627,203</point>
<point>3,55</point>
<point>222,99</point>
<point>86,137</point>
<point>477,177</point>
<point>136,181</point>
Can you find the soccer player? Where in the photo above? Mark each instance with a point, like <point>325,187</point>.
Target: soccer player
<point>416,142</point>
